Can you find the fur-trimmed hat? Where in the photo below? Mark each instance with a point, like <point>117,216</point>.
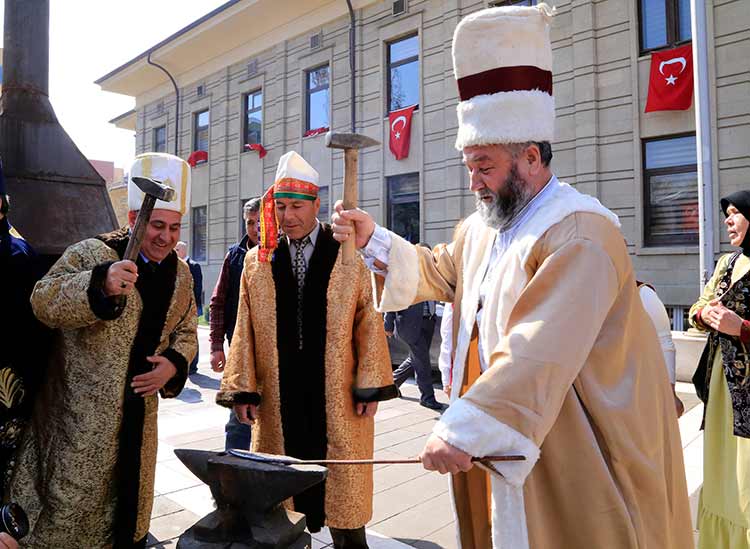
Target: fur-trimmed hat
<point>169,170</point>
<point>502,60</point>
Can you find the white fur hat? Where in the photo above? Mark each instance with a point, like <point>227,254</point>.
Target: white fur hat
<point>168,169</point>
<point>502,60</point>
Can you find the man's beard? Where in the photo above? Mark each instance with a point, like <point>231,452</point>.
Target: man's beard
<point>506,204</point>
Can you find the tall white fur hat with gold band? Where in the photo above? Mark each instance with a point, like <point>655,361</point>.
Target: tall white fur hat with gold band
<point>502,61</point>
<point>168,169</point>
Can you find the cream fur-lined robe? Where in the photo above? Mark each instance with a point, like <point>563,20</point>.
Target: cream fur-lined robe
<point>576,380</point>
<point>307,397</point>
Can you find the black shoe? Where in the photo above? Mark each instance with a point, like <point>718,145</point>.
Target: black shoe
<point>433,405</point>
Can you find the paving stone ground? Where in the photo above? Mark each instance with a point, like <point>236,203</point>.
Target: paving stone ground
<point>412,507</point>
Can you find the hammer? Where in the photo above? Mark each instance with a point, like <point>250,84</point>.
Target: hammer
<point>154,191</point>
<point>351,143</point>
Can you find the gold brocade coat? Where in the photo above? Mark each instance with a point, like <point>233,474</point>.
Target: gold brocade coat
<point>65,474</point>
<point>356,358</point>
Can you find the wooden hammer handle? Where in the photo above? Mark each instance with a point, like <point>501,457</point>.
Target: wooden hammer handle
<point>351,196</point>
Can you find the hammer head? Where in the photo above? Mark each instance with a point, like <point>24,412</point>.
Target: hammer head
<point>154,188</point>
<point>337,140</point>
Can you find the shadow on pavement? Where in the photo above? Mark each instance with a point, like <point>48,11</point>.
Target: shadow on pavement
<point>420,543</point>
<point>190,395</point>
<point>205,382</point>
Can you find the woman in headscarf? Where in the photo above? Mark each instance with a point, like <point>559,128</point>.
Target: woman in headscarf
<point>722,381</point>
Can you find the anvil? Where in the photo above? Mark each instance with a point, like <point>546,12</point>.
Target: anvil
<point>249,495</point>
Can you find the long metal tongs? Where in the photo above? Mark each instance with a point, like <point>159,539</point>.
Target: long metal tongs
<point>286,460</point>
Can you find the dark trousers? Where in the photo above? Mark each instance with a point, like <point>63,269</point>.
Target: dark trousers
<point>349,539</point>
<point>419,361</point>
<point>237,434</point>
<point>194,364</point>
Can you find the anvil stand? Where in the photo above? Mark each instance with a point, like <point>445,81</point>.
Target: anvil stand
<point>248,494</point>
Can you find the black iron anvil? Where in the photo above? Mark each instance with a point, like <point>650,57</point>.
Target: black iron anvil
<point>248,494</point>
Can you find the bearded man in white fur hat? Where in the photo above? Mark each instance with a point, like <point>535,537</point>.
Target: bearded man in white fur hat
<point>85,472</point>
<point>554,356</point>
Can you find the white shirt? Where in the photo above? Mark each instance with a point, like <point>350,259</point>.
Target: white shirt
<point>309,249</point>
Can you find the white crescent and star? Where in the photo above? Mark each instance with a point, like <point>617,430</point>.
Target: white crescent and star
<point>398,119</point>
<point>671,79</point>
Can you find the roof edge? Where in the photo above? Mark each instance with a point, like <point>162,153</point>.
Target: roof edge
<point>167,40</point>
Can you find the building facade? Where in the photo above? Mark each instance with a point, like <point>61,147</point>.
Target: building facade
<point>277,74</point>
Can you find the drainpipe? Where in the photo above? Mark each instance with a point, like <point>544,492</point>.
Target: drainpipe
<point>351,65</point>
<point>176,104</point>
<point>703,140</point>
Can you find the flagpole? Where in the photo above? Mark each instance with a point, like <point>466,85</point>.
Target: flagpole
<point>703,140</point>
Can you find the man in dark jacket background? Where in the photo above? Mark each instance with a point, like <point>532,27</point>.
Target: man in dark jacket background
<point>195,270</point>
<point>223,311</point>
<point>415,327</point>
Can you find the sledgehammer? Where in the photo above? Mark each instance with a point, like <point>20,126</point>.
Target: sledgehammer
<point>351,143</point>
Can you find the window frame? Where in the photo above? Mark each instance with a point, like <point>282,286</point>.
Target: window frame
<point>389,202</point>
<point>246,113</point>
<point>309,91</point>
<point>673,28</point>
<point>203,257</point>
<point>196,129</point>
<point>650,242</point>
<point>154,131</point>
<point>499,3</point>
<point>390,66</point>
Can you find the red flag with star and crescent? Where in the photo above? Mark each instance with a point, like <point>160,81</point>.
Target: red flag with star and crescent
<point>670,86</point>
<point>401,131</point>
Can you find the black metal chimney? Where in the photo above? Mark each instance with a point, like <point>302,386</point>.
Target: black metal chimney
<point>57,197</point>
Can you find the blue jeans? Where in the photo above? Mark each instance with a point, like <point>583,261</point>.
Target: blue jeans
<point>237,434</point>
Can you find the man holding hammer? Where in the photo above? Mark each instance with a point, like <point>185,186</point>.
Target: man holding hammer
<point>553,355</point>
<point>309,360</point>
<point>126,331</point>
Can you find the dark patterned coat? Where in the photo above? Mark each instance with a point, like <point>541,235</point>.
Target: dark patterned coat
<point>91,442</point>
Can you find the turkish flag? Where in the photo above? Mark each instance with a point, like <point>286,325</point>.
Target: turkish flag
<point>401,131</point>
<point>197,157</point>
<point>670,86</point>
<point>260,149</point>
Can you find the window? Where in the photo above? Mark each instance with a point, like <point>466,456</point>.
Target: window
<point>200,131</point>
<point>317,98</point>
<point>664,23</point>
<point>403,206</point>
<point>324,214</point>
<point>198,225</point>
<point>160,139</point>
<point>671,191</point>
<point>253,117</point>
<point>499,3</point>
<point>403,73</point>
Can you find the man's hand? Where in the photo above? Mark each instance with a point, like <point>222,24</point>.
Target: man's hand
<point>447,390</point>
<point>388,334</point>
<point>150,383</point>
<point>246,413</point>
<point>343,222</point>
<point>721,319</point>
<point>440,456</point>
<point>366,409</point>
<point>7,541</point>
<point>218,361</point>
<point>121,278</point>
